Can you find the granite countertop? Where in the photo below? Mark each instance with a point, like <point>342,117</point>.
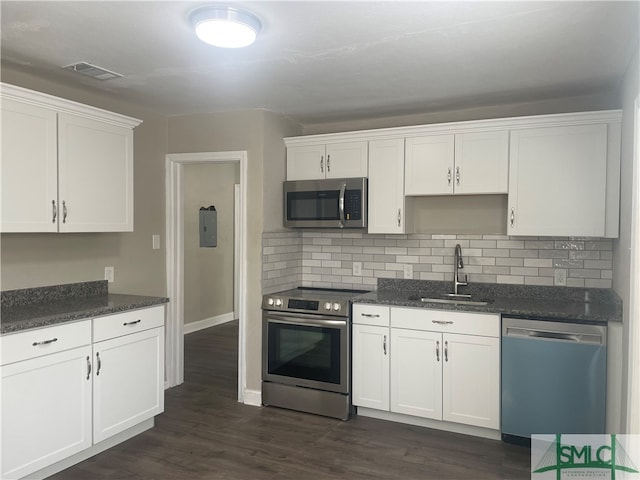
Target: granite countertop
<point>45,306</point>
<point>593,306</point>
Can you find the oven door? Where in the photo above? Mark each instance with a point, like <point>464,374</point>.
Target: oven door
<point>306,350</point>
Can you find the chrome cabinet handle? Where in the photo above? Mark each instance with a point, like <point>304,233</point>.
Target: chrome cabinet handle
<point>437,351</point>
<point>513,216</point>
<point>399,217</point>
<point>99,363</point>
<point>321,163</point>
<point>131,323</point>
<point>442,322</point>
<point>64,212</point>
<point>88,367</point>
<point>55,211</point>
<point>446,351</point>
<point>328,163</point>
<point>370,315</point>
<point>44,342</point>
<point>384,345</point>
<point>458,176</point>
<point>449,176</point>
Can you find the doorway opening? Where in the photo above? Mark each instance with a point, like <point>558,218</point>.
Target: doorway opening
<point>175,259</point>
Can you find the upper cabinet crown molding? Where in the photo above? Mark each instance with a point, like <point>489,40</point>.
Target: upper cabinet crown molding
<point>62,105</point>
<point>509,123</point>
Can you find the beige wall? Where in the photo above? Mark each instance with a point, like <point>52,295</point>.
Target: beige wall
<point>29,260</point>
<point>208,272</point>
<point>260,133</point>
<point>622,246</point>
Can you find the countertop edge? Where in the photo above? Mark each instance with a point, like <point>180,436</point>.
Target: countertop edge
<point>548,315</point>
<point>116,303</point>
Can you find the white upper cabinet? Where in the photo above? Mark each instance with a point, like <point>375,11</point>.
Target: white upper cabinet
<point>333,160</point>
<point>429,165</point>
<point>95,165</point>
<point>29,168</point>
<point>464,163</point>
<point>558,181</point>
<point>66,167</point>
<point>482,162</point>
<point>386,186</point>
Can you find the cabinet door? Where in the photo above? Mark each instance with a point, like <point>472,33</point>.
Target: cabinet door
<point>347,160</point>
<point>306,162</point>
<point>29,168</point>
<point>95,167</point>
<point>481,162</point>
<point>371,366</point>
<point>386,186</point>
<point>471,380</point>
<point>557,181</point>
<point>416,373</point>
<point>128,385</point>
<point>46,411</point>
<point>429,165</point>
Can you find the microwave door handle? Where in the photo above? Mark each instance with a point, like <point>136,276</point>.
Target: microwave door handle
<point>343,188</point>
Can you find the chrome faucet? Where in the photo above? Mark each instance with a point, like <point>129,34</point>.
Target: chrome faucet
<point>457,263</point>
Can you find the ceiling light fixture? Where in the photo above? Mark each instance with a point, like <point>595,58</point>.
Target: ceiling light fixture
<point>225,27</point>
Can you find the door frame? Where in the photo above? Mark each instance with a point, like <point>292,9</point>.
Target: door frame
<point>174,165</point>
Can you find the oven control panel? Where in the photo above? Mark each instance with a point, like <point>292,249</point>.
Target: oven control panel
<point>334,307</point>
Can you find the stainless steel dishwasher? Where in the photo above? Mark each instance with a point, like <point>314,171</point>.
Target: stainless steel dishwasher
<point>553,378</point>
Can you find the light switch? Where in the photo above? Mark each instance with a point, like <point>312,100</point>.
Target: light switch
<point>155,242</point>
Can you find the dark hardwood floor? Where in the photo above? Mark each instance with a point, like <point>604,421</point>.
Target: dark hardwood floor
<point>205,433</point>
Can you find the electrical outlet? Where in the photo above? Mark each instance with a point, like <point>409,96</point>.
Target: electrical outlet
<point>408,271</point>
<point>560,277</point>
<point>155,242</point>
<point>109,274</point>
<point>357,269</point>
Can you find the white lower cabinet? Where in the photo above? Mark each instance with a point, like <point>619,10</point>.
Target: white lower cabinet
<point>46,410</point>
<point>439,365</point>
<point>416,373</point>
<point>371,366</point>
<point>129,382</point>
<point>67,388</point>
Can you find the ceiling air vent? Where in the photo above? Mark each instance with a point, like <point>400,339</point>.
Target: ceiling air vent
<point>92,71</point>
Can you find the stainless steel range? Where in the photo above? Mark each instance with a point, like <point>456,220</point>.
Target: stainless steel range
<point>306,350</point>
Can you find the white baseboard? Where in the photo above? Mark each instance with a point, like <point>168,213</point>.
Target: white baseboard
<point>208,322</point>
<point>253,397</point>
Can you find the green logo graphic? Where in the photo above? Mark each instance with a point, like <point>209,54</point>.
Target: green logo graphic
<point>611,457</point>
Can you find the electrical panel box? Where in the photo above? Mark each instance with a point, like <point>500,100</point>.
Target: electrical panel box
<point>208,226</point>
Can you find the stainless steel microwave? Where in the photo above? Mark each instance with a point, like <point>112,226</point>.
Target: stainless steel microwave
<point>328,203</point>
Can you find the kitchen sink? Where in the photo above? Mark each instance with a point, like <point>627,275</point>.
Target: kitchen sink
<point>452,299</point>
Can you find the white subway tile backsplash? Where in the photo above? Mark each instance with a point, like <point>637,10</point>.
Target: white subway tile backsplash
<point>325,259</point>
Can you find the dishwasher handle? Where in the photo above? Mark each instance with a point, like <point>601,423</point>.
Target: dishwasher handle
<point>532,334</point>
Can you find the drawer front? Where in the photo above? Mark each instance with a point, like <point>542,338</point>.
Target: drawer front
<point>367,314</point>
<point>43,341</point>
<point>467,323</point>
<point>119,324</point>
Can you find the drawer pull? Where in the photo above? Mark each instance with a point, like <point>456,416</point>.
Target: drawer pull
<point>437,351</point>
<point>45,342</point>
<point>88,367</point>
<point>132,323</point>
<point>446,351</point>
<point>442,322</point>
<point>370,315</point>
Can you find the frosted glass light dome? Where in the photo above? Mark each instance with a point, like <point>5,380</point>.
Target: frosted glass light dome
<point>225,27</point>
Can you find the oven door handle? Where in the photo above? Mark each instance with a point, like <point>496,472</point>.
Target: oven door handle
<point>302,319</point>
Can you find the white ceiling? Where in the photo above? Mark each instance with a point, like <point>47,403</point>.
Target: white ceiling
<point>323,61</point>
